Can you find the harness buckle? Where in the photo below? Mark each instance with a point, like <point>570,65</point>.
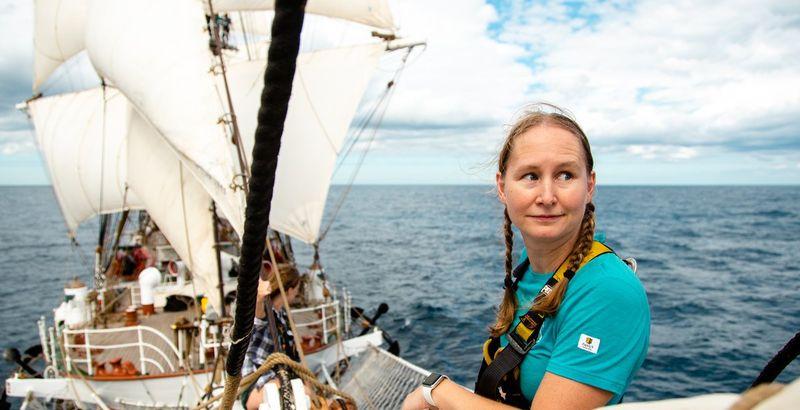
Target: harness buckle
<point>520,345</point>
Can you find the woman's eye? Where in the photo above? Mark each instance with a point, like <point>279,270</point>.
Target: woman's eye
<point>564,176</point>
<point>530,177</point>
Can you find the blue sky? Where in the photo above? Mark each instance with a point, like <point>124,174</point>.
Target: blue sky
<point>700,92</point>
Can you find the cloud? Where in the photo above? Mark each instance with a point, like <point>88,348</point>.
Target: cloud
<point>16,142</point>
<point>686,72</point>
<point>669,152</point>
<point>466,78</point>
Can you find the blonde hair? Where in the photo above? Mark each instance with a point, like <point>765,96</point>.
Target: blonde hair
<point>547,305</point>
<point>290,277</point>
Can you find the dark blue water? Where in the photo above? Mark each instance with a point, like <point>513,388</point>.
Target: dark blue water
<point>720,265</point>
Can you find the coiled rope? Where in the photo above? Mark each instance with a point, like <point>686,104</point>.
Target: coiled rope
<point>277,359</point>
<point>281,65</point>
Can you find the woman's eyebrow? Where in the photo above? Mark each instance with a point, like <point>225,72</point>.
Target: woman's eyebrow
<point>536,166</point>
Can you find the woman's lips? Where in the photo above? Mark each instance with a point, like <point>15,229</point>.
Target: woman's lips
<point>545,218</point>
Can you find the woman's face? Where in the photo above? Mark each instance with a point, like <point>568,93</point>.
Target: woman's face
<point>291,293</point>
<point>546,185</point>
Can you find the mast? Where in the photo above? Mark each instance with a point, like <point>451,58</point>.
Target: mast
<point>236,137</point>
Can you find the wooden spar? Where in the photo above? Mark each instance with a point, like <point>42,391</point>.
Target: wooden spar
<point>278,78</point>
<point>220,282</point>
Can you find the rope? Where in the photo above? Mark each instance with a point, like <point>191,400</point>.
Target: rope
<point>390,87</point>
<point>276,359</point>
<point>779,362</point>
<point>278,77</point>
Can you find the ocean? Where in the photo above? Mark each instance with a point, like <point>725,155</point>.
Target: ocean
<point>720,265</point>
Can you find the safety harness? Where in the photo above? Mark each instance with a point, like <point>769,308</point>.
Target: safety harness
<point>499,376</point>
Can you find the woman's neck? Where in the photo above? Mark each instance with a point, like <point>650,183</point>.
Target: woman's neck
<point>546,257</point>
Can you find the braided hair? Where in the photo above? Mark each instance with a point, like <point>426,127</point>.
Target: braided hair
<point>546,304</point>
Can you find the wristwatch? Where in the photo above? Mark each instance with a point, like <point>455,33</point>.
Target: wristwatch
<point>429,384</point>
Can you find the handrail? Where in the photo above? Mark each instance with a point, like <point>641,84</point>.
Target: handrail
<point>140,343</point>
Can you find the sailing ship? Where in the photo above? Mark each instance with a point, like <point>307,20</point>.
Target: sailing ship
<point>159,151</point>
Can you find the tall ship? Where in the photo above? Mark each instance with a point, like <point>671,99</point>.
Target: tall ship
<point>159,152</point>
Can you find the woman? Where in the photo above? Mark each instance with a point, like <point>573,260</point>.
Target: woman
<point>262,343</point>
<point>583,310</point>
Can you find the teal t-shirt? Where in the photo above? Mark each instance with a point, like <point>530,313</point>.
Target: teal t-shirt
<point>600,334</point>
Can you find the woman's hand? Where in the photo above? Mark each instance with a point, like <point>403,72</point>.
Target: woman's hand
<point>263,288</point>
<point>416,401</point>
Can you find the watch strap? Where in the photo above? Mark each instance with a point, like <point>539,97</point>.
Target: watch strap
<point>427,391</point>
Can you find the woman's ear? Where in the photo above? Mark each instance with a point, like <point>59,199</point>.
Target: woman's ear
<point>501,187</point>
<point>591,181</point>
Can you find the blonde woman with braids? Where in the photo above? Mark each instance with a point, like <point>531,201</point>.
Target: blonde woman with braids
<point>578,305</point>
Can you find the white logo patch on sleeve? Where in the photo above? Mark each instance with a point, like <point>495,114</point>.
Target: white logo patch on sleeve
<point>588,343</point>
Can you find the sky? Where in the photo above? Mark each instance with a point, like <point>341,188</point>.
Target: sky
<point>669,93</point>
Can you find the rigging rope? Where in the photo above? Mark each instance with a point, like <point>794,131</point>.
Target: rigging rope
<point>278,77</point>
<point>390,87</point>
<point>280,359</point>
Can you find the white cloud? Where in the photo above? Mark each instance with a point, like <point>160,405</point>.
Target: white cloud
<point>682,72</point>
<point>669,152</point>
<point>466,81</point>
<point>11,148</point>
<point>16,142</point>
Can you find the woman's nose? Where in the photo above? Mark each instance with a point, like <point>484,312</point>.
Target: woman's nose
<point>546,195</point>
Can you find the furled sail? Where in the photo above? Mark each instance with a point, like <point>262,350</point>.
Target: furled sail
<point>58,35</point>
<point>85,153</point>
<point>328,86</point>
<point>375,13</point>
<point>165,71</point>
<point>176,201</point>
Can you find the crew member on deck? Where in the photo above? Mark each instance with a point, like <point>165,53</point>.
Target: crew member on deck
<point>262,343</point>
<point>573,326</point>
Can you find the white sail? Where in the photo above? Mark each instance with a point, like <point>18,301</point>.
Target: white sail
<point>83,144</point>
<point>375,13</point>
<point>327,88</point>
<point>176,201</point>
<point>58,35</point>
<point>163,67</point>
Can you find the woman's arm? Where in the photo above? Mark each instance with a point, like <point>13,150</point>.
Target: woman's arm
<point>556,392</point>
<point>449,395</point>
<point>263,291</point>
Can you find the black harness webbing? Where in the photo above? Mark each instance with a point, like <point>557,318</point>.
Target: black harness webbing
<point>523,337</point>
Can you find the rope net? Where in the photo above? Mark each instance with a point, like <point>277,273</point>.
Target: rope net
<point>379,380</point>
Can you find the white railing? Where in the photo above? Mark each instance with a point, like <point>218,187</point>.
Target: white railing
<point>140,343</point>
<point>326,316</point>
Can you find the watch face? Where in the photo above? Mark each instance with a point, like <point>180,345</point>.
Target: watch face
<point>431,379</point>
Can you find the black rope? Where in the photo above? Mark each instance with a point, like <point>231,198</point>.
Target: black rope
<point>779,362</point>
<point>281,64</point>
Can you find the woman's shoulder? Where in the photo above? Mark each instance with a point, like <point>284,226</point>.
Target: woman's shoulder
<point>607,275</point>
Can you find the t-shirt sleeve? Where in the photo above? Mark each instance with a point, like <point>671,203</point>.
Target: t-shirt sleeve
<point>602,334</point>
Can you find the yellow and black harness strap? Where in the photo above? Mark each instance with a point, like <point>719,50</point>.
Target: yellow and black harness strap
<point>500,361</point>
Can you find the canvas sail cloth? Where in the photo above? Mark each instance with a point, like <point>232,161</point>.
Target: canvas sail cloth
<point>164,70</point>
<point>177,202</point>
<point>58,35</point>
<point>83,145</point>
<point>374,13</point>
<point>327,88</point>
<point>166,75</point>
